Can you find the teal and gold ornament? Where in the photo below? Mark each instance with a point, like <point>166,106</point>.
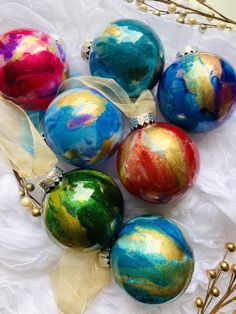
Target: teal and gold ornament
<point>84,210</point>
<point>128,51</point>
<point>152,260</point>
<point>82,127</point>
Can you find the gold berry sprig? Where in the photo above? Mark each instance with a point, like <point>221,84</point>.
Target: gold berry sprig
<point>213,293</point>
<point>188,13</point>
<point>27,200</point>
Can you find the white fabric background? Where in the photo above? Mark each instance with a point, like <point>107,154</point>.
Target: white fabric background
<point>207,213</point>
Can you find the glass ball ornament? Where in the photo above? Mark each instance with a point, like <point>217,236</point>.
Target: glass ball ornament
<point>130,52</point>
<point>152,260</point>
<point>197,92</point>
<point>158,162</point>
<point>32,66</point>
<point>85,210</point>
<point>82,127</point>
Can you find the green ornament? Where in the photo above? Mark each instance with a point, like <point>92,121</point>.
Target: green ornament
<point>84,210</point>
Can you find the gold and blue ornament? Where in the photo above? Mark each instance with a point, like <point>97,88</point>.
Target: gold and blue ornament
<point>128,51</point>
<point>82,127</point>
<point>198,91</point>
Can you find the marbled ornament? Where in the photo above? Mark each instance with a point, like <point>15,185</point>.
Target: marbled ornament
<point>83,127</point>
<point>129,52</point>
<point>84,210</point>
<point>157,163</point>
<point>197,92</point>
<point>152,260</point>
<point>32,66</point>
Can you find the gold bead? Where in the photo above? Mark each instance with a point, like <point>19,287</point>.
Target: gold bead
<point>156,12</point>
<point>230,246</point>
<point>183,13</point>
<point>211,17</point>
<point>30,187</point>
<point>172,8</point>
<point>233,268</point>
<point>212,274</point>
<point>199,303</point>
<point>221,26</point>
<point>180,20</point>
<point>202,28</point>
<point>36,212</point>
<point>192,21</point>
<point>26,202</point>
<point>224,266</point>
<point>21,193</point>
<point>143,7</point>
<point>215,292</point>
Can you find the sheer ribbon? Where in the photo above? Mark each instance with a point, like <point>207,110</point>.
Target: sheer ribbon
<point>112,91</point>
<point>77,280</point>
<point>21,142</point>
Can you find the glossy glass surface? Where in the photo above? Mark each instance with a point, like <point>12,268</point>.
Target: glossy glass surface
<point>82,127</point>
<point>158,163</point>
<point>152,260</point>
<point>84,210</point>
<point>32,66</point>
<point>197,92</point>
<point>129,52</point>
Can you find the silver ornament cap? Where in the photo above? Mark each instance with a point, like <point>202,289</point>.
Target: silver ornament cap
<point>142,120</point>
<point>85,49</point>
<point>186,51</point>
<point>52,179</point>
<point>104,258</point>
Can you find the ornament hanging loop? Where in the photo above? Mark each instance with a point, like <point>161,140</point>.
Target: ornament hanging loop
<point>140,112</point>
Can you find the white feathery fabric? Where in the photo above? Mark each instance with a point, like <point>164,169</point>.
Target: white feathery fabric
<point>207,213</point>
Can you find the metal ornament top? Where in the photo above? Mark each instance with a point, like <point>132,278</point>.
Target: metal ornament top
<point>52,179</point>
<point>104,258</point>
<point>186,51</point>
<point>142,120</point>
<point>85,50</point>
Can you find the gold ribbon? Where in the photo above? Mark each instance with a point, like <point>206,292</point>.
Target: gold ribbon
<point>113,92</point>
<point>21,142</point>
<point>77,280</point>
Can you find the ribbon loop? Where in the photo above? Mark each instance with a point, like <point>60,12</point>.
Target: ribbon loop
<point>115,93</point>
